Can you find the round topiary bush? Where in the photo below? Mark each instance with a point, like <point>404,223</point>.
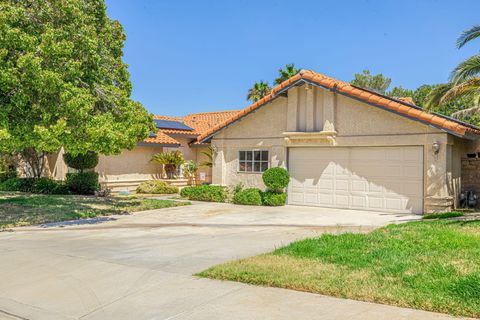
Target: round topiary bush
<point>82,182</point>
<point>271,198</point>
<point>88,160</point>
<point>251,197</point>
<point>276,178</point>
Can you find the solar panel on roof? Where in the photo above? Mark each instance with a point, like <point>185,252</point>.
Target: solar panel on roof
<point>152,135</point>
<point>169,124</point>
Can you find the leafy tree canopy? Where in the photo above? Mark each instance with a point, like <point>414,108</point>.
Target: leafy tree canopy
<point>63,81</point>
<point>378,83</point>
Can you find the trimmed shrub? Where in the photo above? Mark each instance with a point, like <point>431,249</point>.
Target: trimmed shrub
<point>276,178</point>
<point>81,162</point>
<point>186,191</point>
<point>83,182</point>
<point>251,196</point>
<point>156,187</point>
<point>270,198</point>
<point>40,185</point>
<point>49,186</point>
<point>205,193</point>
<point>5,175</point>
<point>18,184</point>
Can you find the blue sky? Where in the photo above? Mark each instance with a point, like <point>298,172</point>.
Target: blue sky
<point>193,56</point>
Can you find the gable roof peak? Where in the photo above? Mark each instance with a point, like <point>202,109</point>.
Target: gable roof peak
<point>399,107</point>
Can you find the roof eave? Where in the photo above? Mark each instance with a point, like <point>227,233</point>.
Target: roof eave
<point>153,144</point>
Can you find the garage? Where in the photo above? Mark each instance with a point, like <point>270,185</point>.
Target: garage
<point>386,179</point>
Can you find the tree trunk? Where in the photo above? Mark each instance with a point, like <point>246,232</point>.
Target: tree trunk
<point>170,171</point>
<point>35,161</point>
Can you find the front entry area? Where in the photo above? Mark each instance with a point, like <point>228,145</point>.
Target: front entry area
<point>365,178</point>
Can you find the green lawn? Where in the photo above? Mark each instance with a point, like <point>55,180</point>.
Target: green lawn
<point>18,209</point>
<point>430,265</point>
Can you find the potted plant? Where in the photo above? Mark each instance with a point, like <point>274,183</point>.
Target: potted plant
<point>170,162</point>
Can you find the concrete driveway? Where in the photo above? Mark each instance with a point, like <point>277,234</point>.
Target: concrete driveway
<point>140,266</point>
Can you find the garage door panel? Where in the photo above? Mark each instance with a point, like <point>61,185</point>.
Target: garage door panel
<point>375,203</point>
<point>342,185</point>
<point>359,202</point>
<point>326,199</point>
<point>327,184</point>
<point>412,171</point>
<point>359,186</point>
<point>374,187</point>
<point>413,154</point>
<point>370,178</point>
<point>342,200</point>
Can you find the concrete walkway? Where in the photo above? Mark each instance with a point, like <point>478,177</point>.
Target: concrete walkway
<point>141,266</point>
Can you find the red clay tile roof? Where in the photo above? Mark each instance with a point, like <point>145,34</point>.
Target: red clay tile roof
<point>398,106</point>
<point>161,138</point>
<point>200,122</point>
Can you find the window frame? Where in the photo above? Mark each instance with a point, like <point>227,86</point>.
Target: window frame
<point>253,161</point>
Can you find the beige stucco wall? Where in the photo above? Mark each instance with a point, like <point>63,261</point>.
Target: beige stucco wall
<point>132,166</point>
<point>261,130</point>
<point>129,166</point>
<point>344,122</point>
<point>56,167</point>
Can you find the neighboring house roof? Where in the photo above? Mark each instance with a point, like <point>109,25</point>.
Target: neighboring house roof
<point>199,122</point>
<point>399,106</point>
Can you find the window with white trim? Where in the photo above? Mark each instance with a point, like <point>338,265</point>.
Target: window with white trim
<point>252,161</point>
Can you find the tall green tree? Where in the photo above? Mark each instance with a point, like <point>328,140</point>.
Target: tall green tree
<point>464,84</point>
<point>400,92</point>
<point>378,83</point>
<point>63,81</point>
<point>258,91</point>
<point>286,73</point>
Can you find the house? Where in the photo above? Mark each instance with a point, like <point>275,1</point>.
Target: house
<point>346,147</point>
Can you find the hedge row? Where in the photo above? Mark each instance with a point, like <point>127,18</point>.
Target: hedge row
<point>205,193</point>
<point>76,183</point>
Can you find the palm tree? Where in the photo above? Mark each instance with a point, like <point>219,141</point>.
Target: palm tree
<point>209,154</point>
<point>170,161</point>
<point>258,91</point>
<point>464,80</point>
<point>287,73</point>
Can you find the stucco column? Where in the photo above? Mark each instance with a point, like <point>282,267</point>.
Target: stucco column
<point>310,108</point>
<point>329,111</point>
<point>292,107</point>
<point>438,196</point>
<point>219,164</point>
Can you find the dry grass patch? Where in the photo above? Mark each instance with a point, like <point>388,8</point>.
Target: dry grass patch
<point>17,209</point>
<point>430,265</point>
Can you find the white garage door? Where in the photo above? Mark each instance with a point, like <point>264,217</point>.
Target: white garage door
<point>367,178</point>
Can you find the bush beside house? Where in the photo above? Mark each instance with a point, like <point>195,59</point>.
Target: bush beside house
<point>271,198</point>
<point>156,187</point>
<point>82,182</point>
<point>31,185</point>
<point>275,179</point>
<point>250,196</point>
<point>205,193</point>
